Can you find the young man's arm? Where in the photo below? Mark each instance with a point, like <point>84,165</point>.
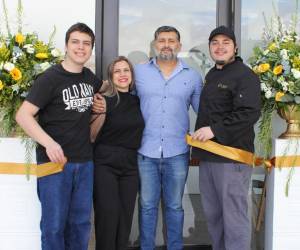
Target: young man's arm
<point>25,118</point>
<point>99,104</point>
<point>195,100</point>
<point>97,122</point>
<point>98,116</point>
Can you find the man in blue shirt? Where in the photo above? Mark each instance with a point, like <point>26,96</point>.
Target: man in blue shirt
<point>166,87</point>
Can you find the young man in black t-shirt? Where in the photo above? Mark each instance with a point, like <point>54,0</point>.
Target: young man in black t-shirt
<point>62,98</point>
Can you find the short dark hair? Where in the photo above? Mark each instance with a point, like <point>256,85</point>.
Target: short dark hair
<point>81,27</point>
<point>166,29</point>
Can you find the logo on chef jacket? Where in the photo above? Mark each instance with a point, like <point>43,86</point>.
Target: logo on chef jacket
<point>78,97</point>
<point>222,86</point>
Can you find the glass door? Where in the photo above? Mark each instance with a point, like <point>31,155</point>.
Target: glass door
<point>253,23</point>
<point>194,19</point>
<point>252,28</point>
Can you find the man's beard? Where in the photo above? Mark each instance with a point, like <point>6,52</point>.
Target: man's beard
<point>223,62</point>
<point>220,62</point>
<point>166,57</point>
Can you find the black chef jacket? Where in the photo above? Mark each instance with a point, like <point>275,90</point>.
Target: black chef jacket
<point>230,104</point>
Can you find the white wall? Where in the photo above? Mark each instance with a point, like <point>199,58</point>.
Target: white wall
<point>41,16</point>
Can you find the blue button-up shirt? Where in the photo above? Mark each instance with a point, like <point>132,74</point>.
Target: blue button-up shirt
<point>165,104</point>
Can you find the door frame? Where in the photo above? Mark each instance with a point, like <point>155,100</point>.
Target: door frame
<point>107,28</point>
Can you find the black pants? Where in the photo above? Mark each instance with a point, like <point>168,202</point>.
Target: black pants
<point>115,188</point>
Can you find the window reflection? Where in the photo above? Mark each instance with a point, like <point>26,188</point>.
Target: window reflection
<point>193,18</point>
<point>253,20</point>
<point>138,20</point>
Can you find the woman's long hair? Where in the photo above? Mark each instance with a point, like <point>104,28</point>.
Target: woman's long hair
<point>110,89</point>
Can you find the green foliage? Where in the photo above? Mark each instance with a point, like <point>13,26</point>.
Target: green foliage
<point>29,147</point>
<point>264,137</point>
<point>22,58</point>
<point>276,61</point>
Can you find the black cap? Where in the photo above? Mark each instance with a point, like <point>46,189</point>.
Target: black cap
<point>222,30</point>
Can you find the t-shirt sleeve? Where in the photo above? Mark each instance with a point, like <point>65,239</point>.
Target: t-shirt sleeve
<point>97,84</point>
<point>41,91</point>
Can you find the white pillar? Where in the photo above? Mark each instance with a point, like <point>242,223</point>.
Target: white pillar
<point>20,210</point>
<point>282,222</point>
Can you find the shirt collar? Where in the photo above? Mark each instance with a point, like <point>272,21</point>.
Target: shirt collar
<point>180,63</point>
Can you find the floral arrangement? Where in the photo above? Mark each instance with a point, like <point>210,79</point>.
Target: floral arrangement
<point>23,56</point>
<point>277,63</point>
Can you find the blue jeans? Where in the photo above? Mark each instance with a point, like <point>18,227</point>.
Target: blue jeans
<point>169,176</point>
<point>66,201</point>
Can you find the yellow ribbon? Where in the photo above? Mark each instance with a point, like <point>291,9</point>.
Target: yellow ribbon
<point>34,169</point>
<point>244,156</point>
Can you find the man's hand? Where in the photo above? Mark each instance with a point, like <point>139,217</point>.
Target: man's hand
<point>203,134</point>
<point>99,104</point>
<point>55,153</point>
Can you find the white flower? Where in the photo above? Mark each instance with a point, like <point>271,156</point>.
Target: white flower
<point>280,79</point>
<point>29,48</point>
<point>24,94</point>
<point>268,94</point>
<point>8,66</point>
<point>284,54</point>
<point>287,38</point>
<point>55,52</point>
<point>283,83</point>
<point>266,52</point>
<point>291,87</point>
<point>45,66</point>
<point>296,73</point>
<point>263,86</point>
<point>15,88</point>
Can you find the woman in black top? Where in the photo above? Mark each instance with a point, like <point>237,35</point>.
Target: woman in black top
<point>115,156</point>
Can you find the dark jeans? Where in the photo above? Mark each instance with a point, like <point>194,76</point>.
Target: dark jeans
<point>115,188</point>
<point>66,200</point>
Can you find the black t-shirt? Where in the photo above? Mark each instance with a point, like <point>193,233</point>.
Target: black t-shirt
<point>124,123</point>
<point>64,100</point>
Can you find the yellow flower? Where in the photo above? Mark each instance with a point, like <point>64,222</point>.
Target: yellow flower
<point>1,85</point>
<point>272,46</point>
<point>278,96</point>
<point>263,67</point>
<point>41,55</point>
<point>278,70</point>
<point>19,38</point>
<point>15,74</point>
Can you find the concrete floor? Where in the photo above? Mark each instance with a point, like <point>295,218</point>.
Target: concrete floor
<point>195,230</point>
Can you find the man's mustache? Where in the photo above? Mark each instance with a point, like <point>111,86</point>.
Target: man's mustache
<point>167,48</point>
